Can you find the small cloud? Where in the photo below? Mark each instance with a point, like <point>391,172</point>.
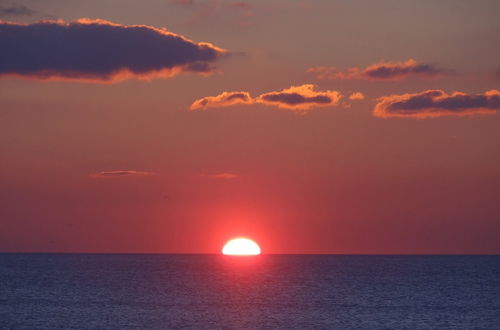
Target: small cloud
<point>100,51</point>
<point>224,99</point>
<point>223,176</point>
<point>356,96</point>
<point>121,173</point>
<point>233,12</point>
<point>16,10</point>
<point>381,71</point>
<point>436,103</point>
<point>300,98</point>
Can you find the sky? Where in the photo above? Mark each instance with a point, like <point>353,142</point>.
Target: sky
<point>172,126</point>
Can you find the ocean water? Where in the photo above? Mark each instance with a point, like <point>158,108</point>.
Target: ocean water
<point>73,291</point>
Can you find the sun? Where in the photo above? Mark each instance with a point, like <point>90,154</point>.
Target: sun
<point>241,247</point>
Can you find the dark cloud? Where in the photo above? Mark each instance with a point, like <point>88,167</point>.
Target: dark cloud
<point>16,10</point>
<point>224,99</point>
<point>96,50</point>
<point>436,103</point>
<point>120,173</point>
<point>381,71</point>
<point>300,98</point>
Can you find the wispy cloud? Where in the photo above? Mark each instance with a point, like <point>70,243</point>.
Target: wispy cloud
<point>233,12</point>
<point>100,51</point>
<point>16,10</point>
<point>120,173</point>
<point>436,103</point>
<point>183,2</point>
<point>381,71</point>
<point>223,176</point>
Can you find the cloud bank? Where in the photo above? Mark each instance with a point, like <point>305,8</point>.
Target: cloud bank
<point>297,98</point>
<point>222,100</point>
<point>381,71</point>
<point>436,103</point>
<point>99,51</point>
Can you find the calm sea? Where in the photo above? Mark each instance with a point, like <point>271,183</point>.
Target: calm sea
<point>44,291</point>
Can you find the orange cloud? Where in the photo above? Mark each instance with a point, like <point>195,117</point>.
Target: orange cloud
<point>300,98</point>
<point>100,51</point>
<point>381,71</point>
<point>436,103</point>
<point>356,96</point>
<point>222,100</point>
<point>120,173</point>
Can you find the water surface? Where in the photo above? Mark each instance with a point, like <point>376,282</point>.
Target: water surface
<point>50,291</point>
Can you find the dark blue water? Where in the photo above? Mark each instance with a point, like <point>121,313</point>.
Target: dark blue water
<point>264,292</point>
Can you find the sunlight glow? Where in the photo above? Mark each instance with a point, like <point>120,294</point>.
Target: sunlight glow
<point>241,247</point>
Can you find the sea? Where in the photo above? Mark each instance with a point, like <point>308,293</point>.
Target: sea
<point>162,291</point>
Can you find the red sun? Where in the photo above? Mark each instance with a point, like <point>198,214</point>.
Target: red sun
<point>241,247</point>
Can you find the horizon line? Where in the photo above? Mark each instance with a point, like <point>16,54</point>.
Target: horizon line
<point>262,254</point>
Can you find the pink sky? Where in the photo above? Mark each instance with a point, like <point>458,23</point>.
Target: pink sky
<point>311,127</point>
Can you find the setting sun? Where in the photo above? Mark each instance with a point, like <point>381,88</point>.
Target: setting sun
<point>241,247</point>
